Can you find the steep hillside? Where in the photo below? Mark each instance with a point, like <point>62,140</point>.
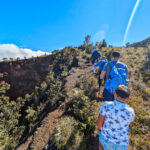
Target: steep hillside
<point>61,112</point>
<point>24,115</point>
<point>49,123</point>
<point>24,75</point>
<point>143,43</point>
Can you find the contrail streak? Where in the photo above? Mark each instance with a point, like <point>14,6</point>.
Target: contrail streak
<point>130,20</point>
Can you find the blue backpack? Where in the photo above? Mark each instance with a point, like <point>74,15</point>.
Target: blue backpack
<point>117,76</point>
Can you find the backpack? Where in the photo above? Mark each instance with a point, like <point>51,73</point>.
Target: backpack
<point>117,76</point>
<point>95,55</point>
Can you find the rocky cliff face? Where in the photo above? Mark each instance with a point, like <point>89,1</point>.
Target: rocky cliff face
<point>24,75</point>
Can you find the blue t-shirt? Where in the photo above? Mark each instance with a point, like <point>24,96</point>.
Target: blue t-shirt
<point>100,64</point>
<point>117,119</point>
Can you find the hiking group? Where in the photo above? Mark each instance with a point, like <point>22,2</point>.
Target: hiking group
<point>114,114</point>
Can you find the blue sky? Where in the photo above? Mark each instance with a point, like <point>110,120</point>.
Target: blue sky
<point>47,25</point>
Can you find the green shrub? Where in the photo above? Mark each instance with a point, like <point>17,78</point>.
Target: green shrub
<point>67,135</point>
<point>10,131</point>
<point>83,109</point>
<point>140,128</point>
<point>88,83</point>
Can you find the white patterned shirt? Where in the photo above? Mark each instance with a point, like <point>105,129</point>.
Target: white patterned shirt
<point>117,119</point>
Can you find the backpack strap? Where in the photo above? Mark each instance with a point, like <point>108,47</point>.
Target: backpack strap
<point>112,65</point>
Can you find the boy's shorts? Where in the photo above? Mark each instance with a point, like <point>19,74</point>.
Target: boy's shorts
<point>107,145</point>
<point>107,96</point>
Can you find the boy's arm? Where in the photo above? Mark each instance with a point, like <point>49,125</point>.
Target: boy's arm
<point>100,121</point>
<point>102,75</point>
<point>96,64</point>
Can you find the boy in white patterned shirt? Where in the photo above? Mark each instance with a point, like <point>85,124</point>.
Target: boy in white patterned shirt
<point>113,121</point>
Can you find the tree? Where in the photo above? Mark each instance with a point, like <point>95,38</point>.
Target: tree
<point>11,59</point>
<point>104,44</point>
<point>18,58</point>
<point>100,44</point>
<point>87,40</point>
<point>5,59</point>
<point>97,44</point>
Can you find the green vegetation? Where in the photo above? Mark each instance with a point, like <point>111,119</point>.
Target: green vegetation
<point>74,132</point>
<point>140,128</point>
<point>20,117</point>
<point>67,135</point>
<point>82,104</point>
<point>10,132</point>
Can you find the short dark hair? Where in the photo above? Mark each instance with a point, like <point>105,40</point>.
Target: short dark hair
<point>122,91</point>
<point>116,54</point>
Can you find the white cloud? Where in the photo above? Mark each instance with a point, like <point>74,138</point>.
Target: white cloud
<point>98,36</point>
<point>13,51</point>
<point>101,33</point>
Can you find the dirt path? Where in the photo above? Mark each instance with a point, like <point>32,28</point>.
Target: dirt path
<point>42,135</point>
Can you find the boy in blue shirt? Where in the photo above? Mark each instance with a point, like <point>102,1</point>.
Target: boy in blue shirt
<point>101,65</point>
<point>106,74</point>
<point>113,121</point>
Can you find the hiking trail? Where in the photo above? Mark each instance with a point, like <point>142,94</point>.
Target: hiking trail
<point>41,136</point>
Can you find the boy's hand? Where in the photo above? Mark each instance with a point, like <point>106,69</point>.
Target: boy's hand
<point>96,131</point>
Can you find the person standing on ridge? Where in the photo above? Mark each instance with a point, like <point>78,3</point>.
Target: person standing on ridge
<point>95,55</point>
<point>94,49</point>
<point>101,65</point>
<point>116,73</point>
<point>113,121</point>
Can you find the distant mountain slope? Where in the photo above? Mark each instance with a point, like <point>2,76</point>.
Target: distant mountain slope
<point>143,43</point>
